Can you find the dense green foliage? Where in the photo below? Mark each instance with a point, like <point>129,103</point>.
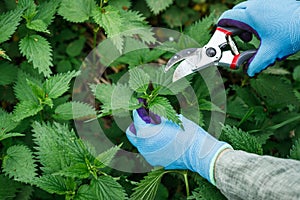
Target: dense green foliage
<point>42,46</point>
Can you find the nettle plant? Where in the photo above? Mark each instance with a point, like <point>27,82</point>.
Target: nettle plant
<point>42,46</point>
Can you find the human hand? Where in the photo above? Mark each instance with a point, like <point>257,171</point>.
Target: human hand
<point>275,22</point>
<point>167,144</point>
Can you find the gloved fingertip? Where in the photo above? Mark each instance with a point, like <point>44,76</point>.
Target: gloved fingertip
<point>132,129</point>
<point>155,119</point>
<point>138,120</point>
<point>265,56</point>
<point>144,115</point>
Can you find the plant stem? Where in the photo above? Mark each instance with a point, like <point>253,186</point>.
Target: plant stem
<point>186,181</point>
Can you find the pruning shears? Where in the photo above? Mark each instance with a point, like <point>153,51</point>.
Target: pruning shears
<point>221,50</point>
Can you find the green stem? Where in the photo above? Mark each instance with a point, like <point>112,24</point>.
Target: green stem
<point>186,181</point>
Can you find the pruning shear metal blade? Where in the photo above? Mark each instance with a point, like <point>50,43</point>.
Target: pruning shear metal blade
<point>185,68</point>
<point>181,55</point>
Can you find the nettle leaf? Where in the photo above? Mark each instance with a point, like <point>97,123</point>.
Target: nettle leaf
<point>134,24</point>
<point>79,170</point>
<point>6,122</point>
<point>44,16</point>
<point>26,109</point>
<point>85,192</point>
<point>53,142</point>
<point>241,140</point>
<point>9,22</point>
<point>163,80</point>
<point>22,90</point>
<point>8,187</point>
<point>106,157</point>
<point>74,110</point>
<point>162,107</point>
<point>206,191</point>
<point>55,184</point>
<point>38,51</point>
<point>265,85</point>
<point>105,187</point>
<point>61,151</point>
<point>36,89</point>
<point>57,85</point>
<point>200,30</point>
<point>19,163</point>
<point>295,150</point>
<point>116,98</point>
<point>110,19</point>
<point>140,56</point>
<point>158,6</point>
<point>121,4</point>
<point>76,11</point>
<point>8,73</point>
<point>138,80</point>
<point>147,188</point>
<point>30,8</point>
<point>46,11</point>
<point>37,25</point>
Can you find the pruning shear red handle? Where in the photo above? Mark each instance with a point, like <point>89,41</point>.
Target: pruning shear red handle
<point>221,50</point>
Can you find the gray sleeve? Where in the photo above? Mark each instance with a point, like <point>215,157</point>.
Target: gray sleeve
<point>242,175</point>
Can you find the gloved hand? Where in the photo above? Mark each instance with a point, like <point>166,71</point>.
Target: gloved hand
<point>275,22</point>
<point>166,144</point>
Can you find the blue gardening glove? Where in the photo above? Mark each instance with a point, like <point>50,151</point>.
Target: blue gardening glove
<point>166,144</point>
<point>275,22</point>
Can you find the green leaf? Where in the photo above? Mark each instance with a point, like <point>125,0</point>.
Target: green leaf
<point>209,106</point>
<point>134,24</point>
<point>265,85</point>
<point>38,25</point>
<point>206,191</point>
<point>105,187</point>
<point>121,4</point>
<point>76,11</point>
<point>57,85</point>
<point>7,123</point>
<point>53,146</point>
<point>46,11</point>
<point>163,80</point>
<point>55,184</point>
<point>22,90</point>
<point>36,89</point>
<point>106,157</point>
<point>115,98</point>
<point>295,150</point>
<point>7,73</point>
<point>147,188</point>
<point>8,23</point>
<point>200,30</point>
<point>26,109</point>
<point>9,135</point>
<point>79,170</point>
<point>19,163</point>
<point>30,8</point>
<point>241,140</point>
<point>8,187</point>
<point>158,6</point>
<point>296,73</point>
<point>162,107</point>
<point>110,19</point>
<point>85,192</point>
<point>74,110</point>
<point>38,51</point>
<point>75,47</point>
<point>138,80</point>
